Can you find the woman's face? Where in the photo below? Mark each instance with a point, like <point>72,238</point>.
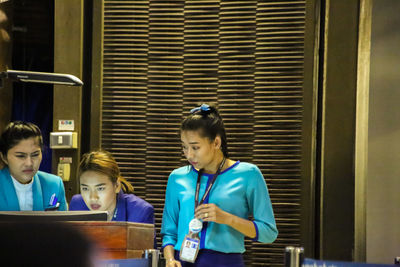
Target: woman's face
<point>98,192</point>
<point>200,151</point>
<point>24,159</point>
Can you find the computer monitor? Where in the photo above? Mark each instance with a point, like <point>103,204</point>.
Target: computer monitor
<point>38,216</point>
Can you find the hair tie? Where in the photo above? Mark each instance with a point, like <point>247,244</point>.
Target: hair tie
<point>203,108</point>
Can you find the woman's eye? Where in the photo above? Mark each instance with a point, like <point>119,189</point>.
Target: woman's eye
<point>101,188</point>
<point>84,189</point>
<point>196,148</point>
<point>20,156</point>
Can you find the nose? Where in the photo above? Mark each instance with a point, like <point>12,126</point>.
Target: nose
<point>189,154</point>
<point>93,195</point>
<point>28,161</point>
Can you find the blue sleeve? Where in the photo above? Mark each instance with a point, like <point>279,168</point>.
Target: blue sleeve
<point>261,208</point>
<point>77,203</point>
<point>149,218</point>
<point>169,227</point>
<point>137,209</point>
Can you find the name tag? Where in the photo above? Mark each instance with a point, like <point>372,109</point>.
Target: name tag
<point>189,249</point>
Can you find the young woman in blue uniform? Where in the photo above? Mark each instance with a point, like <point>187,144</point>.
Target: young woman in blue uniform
<point>22,185</point>
<point>208,202</point>
<point>103,188</point>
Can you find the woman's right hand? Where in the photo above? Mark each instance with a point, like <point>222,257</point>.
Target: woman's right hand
<point>172,263</point>
<point>170,260</point>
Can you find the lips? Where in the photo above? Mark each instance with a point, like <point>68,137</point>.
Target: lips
<point>95,206</point>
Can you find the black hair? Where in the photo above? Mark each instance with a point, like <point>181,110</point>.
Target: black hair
<point>103,162</point>
<point>17,131</point>
<point>208,122</point>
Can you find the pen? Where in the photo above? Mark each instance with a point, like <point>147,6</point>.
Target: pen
<point>53,200</point>
<point>53,204</point>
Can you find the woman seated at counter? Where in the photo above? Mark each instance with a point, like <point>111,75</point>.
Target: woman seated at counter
<point>103,189</point>
<point>22,185</point>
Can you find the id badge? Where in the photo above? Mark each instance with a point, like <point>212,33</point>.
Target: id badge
<point>195,226</point>
<point>190,248</point>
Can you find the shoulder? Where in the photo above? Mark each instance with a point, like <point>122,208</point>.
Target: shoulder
<point>76,198</point>
<point>249,171</point>
<point>77,203</point>
<point>6,184</point>
<point>136,202</point>
<point>5,172</point>
<point>180,176</point>
<point>48,178</point>
<point>247,167</point>
<point>137,209</point>
<point>182,171</point>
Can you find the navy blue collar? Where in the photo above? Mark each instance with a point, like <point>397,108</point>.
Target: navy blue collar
<point>227,169</point>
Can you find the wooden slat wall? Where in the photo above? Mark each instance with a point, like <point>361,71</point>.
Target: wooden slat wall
<point>278,116</point>
<point>161,58</point>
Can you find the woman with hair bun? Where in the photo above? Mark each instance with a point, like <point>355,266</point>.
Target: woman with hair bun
<point>208,203</point>
<point>104,189</point>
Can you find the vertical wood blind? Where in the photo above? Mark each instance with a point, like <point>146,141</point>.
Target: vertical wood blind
<point>162,58</point>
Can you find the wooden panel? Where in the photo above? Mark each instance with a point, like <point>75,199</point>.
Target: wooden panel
<point>336,236</point>
<point>115,236</point>
<point>68,50</point>
<point>119,239</point>
<point>140,236</point>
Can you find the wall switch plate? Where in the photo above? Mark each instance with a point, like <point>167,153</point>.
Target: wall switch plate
<point>63,140</point>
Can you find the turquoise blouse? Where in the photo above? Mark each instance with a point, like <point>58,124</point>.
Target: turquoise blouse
<point>240,190</point>
<point>45,185</point>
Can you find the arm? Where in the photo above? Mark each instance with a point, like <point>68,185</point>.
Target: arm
<point>149,215</point>
<point>263,228</point>
<point>169,257</point>
<point>61,195</point>
<point>169,227</point>
<point>261,207</point>
<point>215,214</point>
<point>77,203</point>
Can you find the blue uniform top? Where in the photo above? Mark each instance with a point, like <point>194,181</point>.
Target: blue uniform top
<point>240,190</point>
<point>44,187</point>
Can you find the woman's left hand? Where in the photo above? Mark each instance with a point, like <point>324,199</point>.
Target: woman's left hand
<point>212,213</point>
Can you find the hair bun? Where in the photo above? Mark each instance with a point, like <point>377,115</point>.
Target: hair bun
<point>203,109</point>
